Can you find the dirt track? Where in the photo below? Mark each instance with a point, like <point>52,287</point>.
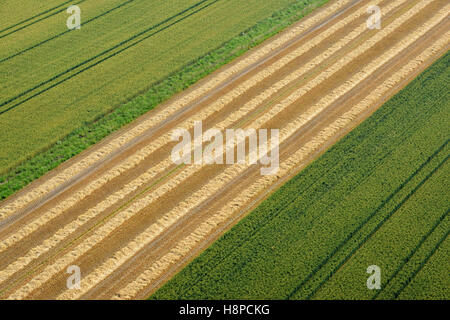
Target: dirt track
<point>130,218</point>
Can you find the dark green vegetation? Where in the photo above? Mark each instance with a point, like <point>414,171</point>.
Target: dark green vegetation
<point>63,91</point>
<point>377,197</point>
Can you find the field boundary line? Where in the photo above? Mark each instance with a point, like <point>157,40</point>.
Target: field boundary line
<point>285,206</point>
<point>267,219</point>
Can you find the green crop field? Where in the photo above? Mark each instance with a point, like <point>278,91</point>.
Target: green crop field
<point>377,197</point>
<point>62,91</point>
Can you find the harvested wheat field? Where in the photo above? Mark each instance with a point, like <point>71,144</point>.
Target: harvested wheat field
<point>131,218</point>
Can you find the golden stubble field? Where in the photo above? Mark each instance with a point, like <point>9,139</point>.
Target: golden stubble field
<point>130,218</point>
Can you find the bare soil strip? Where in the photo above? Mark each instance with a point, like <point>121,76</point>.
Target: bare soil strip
<point>129,238</point>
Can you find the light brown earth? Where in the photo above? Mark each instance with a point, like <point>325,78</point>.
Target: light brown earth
<point>130,218</point>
